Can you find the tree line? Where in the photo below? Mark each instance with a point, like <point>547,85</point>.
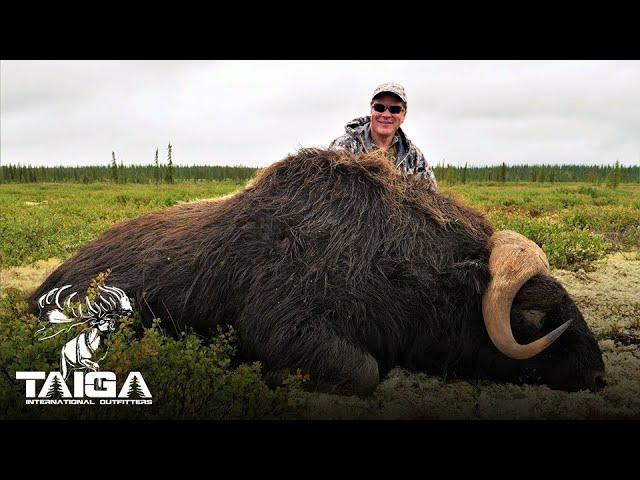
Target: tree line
<point>117,172</point>
<point>123,174</point>
<point>611,175</point>
<point>157,173</point>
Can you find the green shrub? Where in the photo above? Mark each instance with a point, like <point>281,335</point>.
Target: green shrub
<point>565,245</point>
<point>189,378</point>
<point>592,192</point>
<point>574,249</point>
<point>620,225</point>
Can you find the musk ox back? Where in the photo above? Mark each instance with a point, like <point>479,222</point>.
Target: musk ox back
<point>342,267</point>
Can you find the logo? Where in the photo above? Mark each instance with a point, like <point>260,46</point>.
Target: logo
<point>79,355</point>
<point>89,389</point>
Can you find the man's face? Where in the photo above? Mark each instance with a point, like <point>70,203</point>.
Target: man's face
<point>385,123</point>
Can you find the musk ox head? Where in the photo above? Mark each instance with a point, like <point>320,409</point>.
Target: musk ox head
<point>534,323</point>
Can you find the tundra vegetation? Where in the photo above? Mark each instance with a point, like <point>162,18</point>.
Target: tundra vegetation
<point>589,232</point>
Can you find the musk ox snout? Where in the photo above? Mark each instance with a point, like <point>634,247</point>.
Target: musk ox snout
<point>574,361</point>
<point>599,381</point>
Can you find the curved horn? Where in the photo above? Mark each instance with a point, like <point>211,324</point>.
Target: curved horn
<point>514,259</point>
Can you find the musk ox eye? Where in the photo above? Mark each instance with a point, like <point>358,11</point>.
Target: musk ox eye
<point>534,318</point>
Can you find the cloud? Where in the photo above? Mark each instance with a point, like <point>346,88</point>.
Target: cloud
<point>255,112</point>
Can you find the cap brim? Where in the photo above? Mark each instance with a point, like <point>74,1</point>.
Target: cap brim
<point>390,92</point>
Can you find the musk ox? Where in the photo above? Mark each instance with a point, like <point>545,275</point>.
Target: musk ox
<point>345,268</point>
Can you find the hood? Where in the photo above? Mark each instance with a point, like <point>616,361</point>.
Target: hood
<point>357,125</point>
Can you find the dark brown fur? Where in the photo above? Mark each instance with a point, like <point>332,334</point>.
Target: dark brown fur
<point>334,264</point>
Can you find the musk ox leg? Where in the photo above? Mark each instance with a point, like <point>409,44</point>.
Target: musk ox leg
<point>359,375</point>
<point>340,369</point>
<point>334,364</point>
<point>344,369</point>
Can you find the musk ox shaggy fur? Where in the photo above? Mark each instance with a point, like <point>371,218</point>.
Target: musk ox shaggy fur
<point>343,267</point>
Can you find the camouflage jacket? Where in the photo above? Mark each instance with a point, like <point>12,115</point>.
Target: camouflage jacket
<point>409,160</point>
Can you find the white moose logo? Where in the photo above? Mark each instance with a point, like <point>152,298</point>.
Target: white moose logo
<point>101,315</point>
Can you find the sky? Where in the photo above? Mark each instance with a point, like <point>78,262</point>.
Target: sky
<point>254,113</point>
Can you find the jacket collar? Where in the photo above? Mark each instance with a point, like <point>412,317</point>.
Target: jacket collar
<point>361,128</point>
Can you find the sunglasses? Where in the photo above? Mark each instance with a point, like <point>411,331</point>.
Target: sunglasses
<point>395,109</point>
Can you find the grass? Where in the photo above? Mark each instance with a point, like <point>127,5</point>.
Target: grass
<point>42,221</point>
<point>574,224</point>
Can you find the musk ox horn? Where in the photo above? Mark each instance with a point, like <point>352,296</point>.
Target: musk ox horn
<point>514,259</point>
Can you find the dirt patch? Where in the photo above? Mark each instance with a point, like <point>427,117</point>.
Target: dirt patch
<point>613,279</point>
<point>608,295</point>
<point>406,395</point>
<point>28,278</point>
<point>215,199</point>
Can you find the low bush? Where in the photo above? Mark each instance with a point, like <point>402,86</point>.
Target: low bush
<point>189,377</point>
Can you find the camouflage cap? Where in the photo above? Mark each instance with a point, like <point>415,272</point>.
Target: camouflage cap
<point>391,87</point>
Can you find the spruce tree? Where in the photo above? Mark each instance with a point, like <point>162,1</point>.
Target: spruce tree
<point>157,169</point>
<point>169,166</point>
<point>503,173</point>
<point>617,173</point>
<point>114,168</point>
<point>614,176</point>
<point>450,175</point>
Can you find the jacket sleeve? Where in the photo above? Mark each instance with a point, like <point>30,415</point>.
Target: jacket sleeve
<point>424,170</point>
